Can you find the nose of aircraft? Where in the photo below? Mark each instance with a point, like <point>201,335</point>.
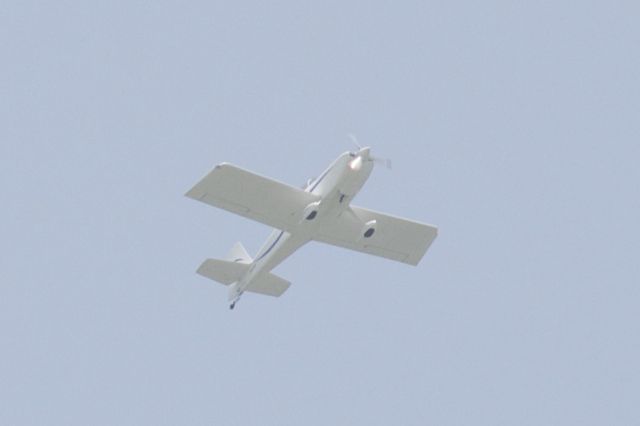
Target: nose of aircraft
<point>365,153</point>
<point>356,163</point>
<point>361,158</point>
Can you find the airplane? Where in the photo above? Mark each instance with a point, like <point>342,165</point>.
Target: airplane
<point>320,211</point>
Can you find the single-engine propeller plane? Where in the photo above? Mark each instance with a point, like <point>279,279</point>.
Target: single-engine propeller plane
<point>320,211</point>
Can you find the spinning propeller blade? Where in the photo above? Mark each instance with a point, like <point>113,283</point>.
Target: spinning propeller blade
<point>378,160</point>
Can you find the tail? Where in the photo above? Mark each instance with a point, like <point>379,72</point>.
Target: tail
<point>236,265</point>
<point>239,254</point>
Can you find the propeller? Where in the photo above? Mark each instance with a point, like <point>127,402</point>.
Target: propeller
<point>354,140</point>
<point>378,160</point>
<point>384,161</point>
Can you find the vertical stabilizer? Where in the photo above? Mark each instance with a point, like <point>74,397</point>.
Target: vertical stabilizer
<point>239,254</point>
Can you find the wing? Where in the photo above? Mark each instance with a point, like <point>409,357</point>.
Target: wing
<point>255,197</point>
<point>394,238</point>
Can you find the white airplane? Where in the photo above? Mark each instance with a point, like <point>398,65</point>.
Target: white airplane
<point>321,211</point>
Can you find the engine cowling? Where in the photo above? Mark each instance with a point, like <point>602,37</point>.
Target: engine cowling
<point>311,211</point>
<point>369,229</point>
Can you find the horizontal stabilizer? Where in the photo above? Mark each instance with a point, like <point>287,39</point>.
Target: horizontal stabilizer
<point>269,285</point>
<point>224,271</point>
<point>228,272</point>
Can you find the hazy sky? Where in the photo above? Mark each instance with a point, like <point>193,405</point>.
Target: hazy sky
<point>513,126</point>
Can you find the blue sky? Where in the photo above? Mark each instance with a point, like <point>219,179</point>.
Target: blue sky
<point>513,126</point>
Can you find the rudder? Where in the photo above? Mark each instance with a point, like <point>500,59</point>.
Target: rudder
<point>239,254</point>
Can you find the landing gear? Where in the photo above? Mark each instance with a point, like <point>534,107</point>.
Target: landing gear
<point>233,305</point>
<point>342,198</point>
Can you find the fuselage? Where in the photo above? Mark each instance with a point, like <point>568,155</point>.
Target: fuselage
<point>335,187</point>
